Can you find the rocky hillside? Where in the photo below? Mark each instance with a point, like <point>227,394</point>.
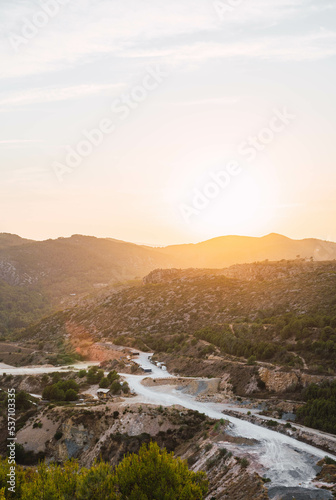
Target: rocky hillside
<point>280,312</point>
<point>80,263</point>
<point>76,264</point>
<point>37,277</point>
<point>109,431</point>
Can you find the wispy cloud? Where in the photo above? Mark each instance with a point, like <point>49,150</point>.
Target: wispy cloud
<point>224,101</point>
<point>50,94</point>
<point>269,12</point>
<point>132,29</point>
<point>288,48</point>
<point>17,144</point>
<point>20,141</point>
<point>26,176</point>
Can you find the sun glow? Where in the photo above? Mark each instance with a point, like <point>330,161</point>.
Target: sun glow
<point>245,206</point>
<point>241,203</point>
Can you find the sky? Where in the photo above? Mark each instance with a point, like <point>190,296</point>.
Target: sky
<point>168,122</point>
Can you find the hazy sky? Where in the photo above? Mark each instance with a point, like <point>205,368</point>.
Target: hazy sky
<point>185,91</point>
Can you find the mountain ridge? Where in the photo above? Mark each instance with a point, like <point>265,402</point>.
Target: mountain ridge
<point>65,269</point>
<point>82,262</point>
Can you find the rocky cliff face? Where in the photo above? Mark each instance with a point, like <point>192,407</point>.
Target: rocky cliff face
<point>230,477</point>
<point>279,381</point>
<point>9,273</point>
<point>109,430</point>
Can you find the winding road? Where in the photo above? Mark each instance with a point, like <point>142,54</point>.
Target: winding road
<point>290,464</point>
<point>287,462</point>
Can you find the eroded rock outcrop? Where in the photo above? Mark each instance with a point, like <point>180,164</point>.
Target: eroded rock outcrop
<point>280,381</point>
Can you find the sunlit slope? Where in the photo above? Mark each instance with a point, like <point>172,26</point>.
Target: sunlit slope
<point>228,250</point>
<point>76,264</point>
<point>65,268</point>
<point>268,310</point>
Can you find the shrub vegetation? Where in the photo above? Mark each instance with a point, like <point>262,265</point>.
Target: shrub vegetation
<point>153,474</point>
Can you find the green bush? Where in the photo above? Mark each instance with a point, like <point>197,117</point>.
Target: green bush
<point>156,474</point>
<point>115,387</point>
<point>125,388</point>
<point>272,423</point>
<point>58,435</point>
<point>104,383</point>
<point>71,395</point>
<point>252,360</point>
<point>94,375</point>
<point>244,463</point>
<point>319,411</point>
<point>63,390</point>
<point>113,375</point>
<point>22,401</point>
<point>153,474</point>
